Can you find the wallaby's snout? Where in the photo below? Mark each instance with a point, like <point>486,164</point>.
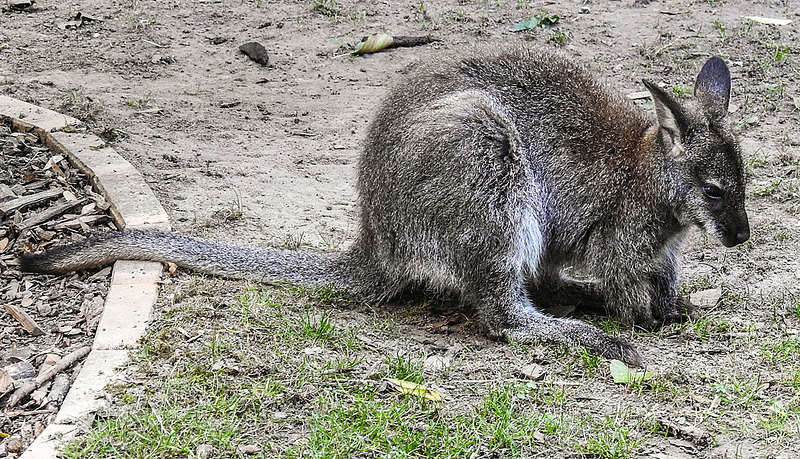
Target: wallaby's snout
<point>737,234</point>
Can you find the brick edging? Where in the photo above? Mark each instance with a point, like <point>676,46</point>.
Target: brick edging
<point>134,285</point>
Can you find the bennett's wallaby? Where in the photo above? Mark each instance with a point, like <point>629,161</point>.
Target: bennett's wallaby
<point>491,173</point>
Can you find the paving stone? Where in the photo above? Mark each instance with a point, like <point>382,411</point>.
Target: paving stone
<point>133,203</point>
<point>129,303</point>
<point>84,399</point>
<point>25,113</point>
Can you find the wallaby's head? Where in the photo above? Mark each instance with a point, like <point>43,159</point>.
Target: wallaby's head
<point>704,160</point>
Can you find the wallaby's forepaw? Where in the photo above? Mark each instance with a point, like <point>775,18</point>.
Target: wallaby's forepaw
<point>676,313</point>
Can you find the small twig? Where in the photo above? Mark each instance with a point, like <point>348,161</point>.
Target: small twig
<point>14,414</point>
<point>24,201</point>
<point>63,364</point>
<point>24,319</point>
<point>154,44</point>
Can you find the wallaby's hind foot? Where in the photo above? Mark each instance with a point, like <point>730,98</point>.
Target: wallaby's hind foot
<point>573,333</point>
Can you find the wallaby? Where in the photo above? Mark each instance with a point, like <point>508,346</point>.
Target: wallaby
<point>492,175</point>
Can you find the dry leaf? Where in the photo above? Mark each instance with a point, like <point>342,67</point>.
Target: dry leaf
<point>533,372</point>
<point>373,44</point>
<point>412,388</point>
<point>773,21</point>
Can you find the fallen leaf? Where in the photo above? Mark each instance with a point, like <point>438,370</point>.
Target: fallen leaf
<point>536,21</point>
<point>412,388</point>
<point>373,44</point>
<point>773,21</point>
<point>622,374</point>
<point>534,372</point>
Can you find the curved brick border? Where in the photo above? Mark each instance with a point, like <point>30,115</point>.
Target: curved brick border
<point>134,285</point>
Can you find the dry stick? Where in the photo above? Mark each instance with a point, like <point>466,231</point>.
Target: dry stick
<point>24,201</point>
<point>12,414</point>
<point>62,365</point>
<point>52,212</point>
<point>406,42</point>
<point>24,319</point>
<point>58,390</point>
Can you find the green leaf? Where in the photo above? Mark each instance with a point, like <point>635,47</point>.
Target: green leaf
<point>622,374</point>
<point>531,23</point>
<point>542,19</point>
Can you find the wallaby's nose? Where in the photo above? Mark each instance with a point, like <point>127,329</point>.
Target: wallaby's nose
<point>742,235</point>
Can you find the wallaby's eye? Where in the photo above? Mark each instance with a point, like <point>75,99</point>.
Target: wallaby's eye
<point>712,192</point>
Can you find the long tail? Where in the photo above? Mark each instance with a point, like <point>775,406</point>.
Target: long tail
<point>213,257</point>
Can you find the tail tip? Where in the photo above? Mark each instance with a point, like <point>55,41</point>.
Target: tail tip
<point>33,263</point>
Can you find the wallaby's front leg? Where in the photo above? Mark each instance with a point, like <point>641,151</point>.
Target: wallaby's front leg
<point>559,290</point>
<point>667,305</point>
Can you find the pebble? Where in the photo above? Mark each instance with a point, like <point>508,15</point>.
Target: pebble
<point>204,451</point>
<point>256,52</point>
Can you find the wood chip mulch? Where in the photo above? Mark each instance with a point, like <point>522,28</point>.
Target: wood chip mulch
<point>47,323</point>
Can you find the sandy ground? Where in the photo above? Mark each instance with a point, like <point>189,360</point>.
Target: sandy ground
<point>266,155</point>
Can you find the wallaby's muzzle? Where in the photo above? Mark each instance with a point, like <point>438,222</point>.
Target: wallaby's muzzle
<point>736,234</point>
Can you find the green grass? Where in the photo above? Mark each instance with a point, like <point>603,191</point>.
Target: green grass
<point>781,352</point>
<point>407,369</point>
<point>768,190</point>
<point>281,369</point>
<point>503,423</point>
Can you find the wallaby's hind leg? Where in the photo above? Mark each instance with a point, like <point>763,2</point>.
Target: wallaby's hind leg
<point>507,311</point>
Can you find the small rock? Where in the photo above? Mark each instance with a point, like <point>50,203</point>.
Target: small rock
<point>14,444</point>
<point>436,363</point>
<point>248,449</point>
<point>533,372</point>
<point>256,52</point>
<point>706,298</point>
<point>19,4</point>
<point>204,451</point>
<point>584,10</point>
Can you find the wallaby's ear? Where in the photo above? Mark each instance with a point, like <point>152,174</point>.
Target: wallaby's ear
<point>713,87</point>
<point>669,113</point>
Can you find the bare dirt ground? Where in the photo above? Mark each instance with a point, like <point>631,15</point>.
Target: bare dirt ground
<point>266,155</point>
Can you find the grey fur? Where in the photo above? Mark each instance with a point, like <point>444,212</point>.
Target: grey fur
<point>489,174</point>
